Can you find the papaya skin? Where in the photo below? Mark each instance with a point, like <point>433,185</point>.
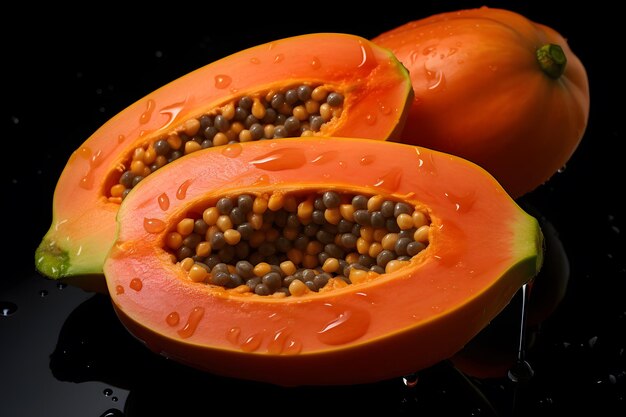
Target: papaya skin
<point>483,248</point>
<point>377,89</point>
<point>493,87</point>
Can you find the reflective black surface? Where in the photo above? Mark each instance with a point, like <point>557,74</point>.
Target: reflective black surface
<point>63,351</point>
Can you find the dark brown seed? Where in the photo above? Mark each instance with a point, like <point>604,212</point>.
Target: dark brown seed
<point>401,208</point>
<point>224,205</point>
<point>384,257</point>
<point>362,217</point>
<point>331,199</point>
<point>304,92</point>
<point>359,202</point>
<point>161,147</point>
<point>334,99</point>
<point>414,248</point>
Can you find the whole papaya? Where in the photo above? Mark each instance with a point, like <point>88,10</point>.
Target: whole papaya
<point>495,88</point>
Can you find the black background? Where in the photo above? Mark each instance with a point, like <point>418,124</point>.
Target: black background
<point>63,353</point>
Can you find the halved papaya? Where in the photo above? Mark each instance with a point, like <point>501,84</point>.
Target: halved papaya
<point>317,261</point>
<point>317,84</point>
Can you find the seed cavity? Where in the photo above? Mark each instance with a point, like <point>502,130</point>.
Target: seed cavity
<point>293,243</point>
<point>299,110</point>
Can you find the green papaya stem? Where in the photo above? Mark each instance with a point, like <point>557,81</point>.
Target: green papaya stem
<point>552,60</point>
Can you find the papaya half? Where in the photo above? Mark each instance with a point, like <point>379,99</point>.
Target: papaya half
<point>317,84</point>
<point>493,87</point>
<point>317,261</point>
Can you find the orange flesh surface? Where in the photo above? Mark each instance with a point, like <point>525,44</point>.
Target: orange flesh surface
<point>483,247</point>
<point>376,89</point>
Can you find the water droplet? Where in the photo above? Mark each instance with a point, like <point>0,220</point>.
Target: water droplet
<point>164,201</point>
<point>112,412</point>
<point>262,180</point>
<point>147,115</point>
<point>84,152</point>
<point>367,55</point>
<point>232,335</point>
<point>279,58</point>
<point>367,160</point>
<point>255,61</point>
<point>192,323</point>
<point>172,319</point>
<point>233,150</point>
<point>61,285</point>
<point>121,138</point>
<point>107,392</point>
<point>222,81</point>
<point>7,308</point>
<point>252,343</point>
<point>325,157</point>
<point>562,169</point>
<point>136,284</point>
<point>370,119</point>
<point>153,225</point>
<point>437,81</point>
<point>315,63</point>
<point>493,68</point>
<point>172,111</point>
<point>181,193</point>
<point>429,49</point>
<point>86,182</point>
<point>410,380</point>
<point>346,326</point>
<point>43,293</point>
<point>114,399</point>
<point>390,180</point>
<point>280,159</point>
<point>451,51</point>
<point>119,289</point>
<point>462,203</point>
<point>384,109</point>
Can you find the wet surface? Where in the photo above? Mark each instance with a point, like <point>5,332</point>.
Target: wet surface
<point>64,353</point>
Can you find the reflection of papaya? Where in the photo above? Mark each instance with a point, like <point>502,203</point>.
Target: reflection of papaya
<point>317,260</point>
<point>494,350</point>
<point>319,84</point>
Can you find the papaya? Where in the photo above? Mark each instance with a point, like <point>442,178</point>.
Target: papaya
<point>496,88</point>
<point>317,261</point>
<point>296,86</point>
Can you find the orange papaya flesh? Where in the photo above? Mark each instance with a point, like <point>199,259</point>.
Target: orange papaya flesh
<point>482,247</point>
<point>363,91</point>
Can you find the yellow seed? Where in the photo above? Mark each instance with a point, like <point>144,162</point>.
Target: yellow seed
<point>419,219</point>
<point>269,95</point>
<point>314,247</point>
<point>421,234</point>
<point>288,267</point>
<point>326,112</point>
<point>259,206</point>
<point>389,241</point>
<point>210,215</point>
<point>379,234</point>
<point>146,172</point>
<point>261,269</point>
<point>224,222</point>
<point>319,93</point>
<point>307,133</point>
<point>232,236</point>
<point>337,112</point>
<point>231,135</point>
<point>312,106</point>
<point>255,220</point>
<point>347,211</point>
<point>258,109</point>
<point>352,258</point>
<point>117,190</point>
<point>220,139</point>
<point>197,273</point>
<point>305,209</point>
<point>375,249</point>
<point>237,127</point>
<point>185,226</point>
<point>310,261</point>
<point>362,246</point>
<point>174,140</point>
<point>276,201</point>
<point>375,202</point>
<point>298,288</point>
<point>211,231</point>
<point>358,275</point>
<point>187,263</point>
<point>136,167</point>
<point>367,233</point>
<point>228,111</point>
<point>395,265</point>
<point>300,113</point>
<point>405,221</point>
<point>203,249</point>
<point>245,136</point>
<point>192,146</point>
<point>191,127</point>
<point>139,154</point>
<point>149,156</point>
<point>160,161</point>
<point>173,240</point>
<point>268,131</point>
<point>331,265</point>
<point>332,216</point>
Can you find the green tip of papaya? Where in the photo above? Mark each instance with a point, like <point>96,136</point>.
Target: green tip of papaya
<point>51,260</point>
<point>552,60</point>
